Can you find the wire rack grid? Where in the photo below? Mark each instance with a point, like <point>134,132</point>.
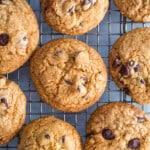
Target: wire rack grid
<point>101,38</point>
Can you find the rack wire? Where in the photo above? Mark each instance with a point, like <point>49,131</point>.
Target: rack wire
<point>101,38</point>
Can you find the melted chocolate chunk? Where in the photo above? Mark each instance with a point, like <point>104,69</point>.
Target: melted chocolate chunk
<point>116,63</point>
<point>25,38</point>
<point>124,71</point>
<point>4,100</point>
<point>69,82</point>
<point>142,81</point>
<point>63,139</point>
<point>71,9</point>
<point>140,119</point>
<point>80,24</point>
<point>108,134</point>
<point>134,143</point>
<point>47,136</point>
<point>4,39</point>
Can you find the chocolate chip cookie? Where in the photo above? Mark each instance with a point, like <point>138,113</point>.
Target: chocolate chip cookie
<point>136,10</point>
<point>129,64</point>
<point>18,34</point>
<point>118,126</point>
<point>49,133</point>
<point>12,109</point>
<point>74,17</point>
<point>68,74</point>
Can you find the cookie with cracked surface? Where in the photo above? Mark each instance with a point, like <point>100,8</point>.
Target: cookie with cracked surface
<point>19,34</point>
<point>68,74</point>
<point>118,126</point>
<point>49,133</point>
<point>74,17</point>
<point>136,10</point>
<point>130,66</point>
<point>12,109</point>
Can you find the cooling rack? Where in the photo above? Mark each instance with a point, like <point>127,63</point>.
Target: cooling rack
<point>101,38</point>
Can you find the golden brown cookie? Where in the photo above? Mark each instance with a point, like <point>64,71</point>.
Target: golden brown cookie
<point>136,10</point>
<point>49,133</point>
<point>12,109</point>
<point>68,74</point>
<point>118,126</point>
<point>129,64</point>
<point>74,17</point>
<point>19,34</point>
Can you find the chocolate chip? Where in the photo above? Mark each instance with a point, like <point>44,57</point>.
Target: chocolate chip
<point>134,143</point>
<point>71,9</point>
<point>80,24</point>
<point>25,38</point>
<point>63,139</point>
<point>4,100</point>
<point>140,119</point>
<point>136,68</point>
<point>124,71</point>
<point>108,134</point>
<point>142,81</point>
<point>126,90</point>
<point>47,136</point>
<point>117,62</point>
<point>131,63</point>
<point>69,82</point>
<point>4,38</point>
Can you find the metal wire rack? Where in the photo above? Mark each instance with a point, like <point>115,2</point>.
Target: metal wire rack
<point>101,38</point>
